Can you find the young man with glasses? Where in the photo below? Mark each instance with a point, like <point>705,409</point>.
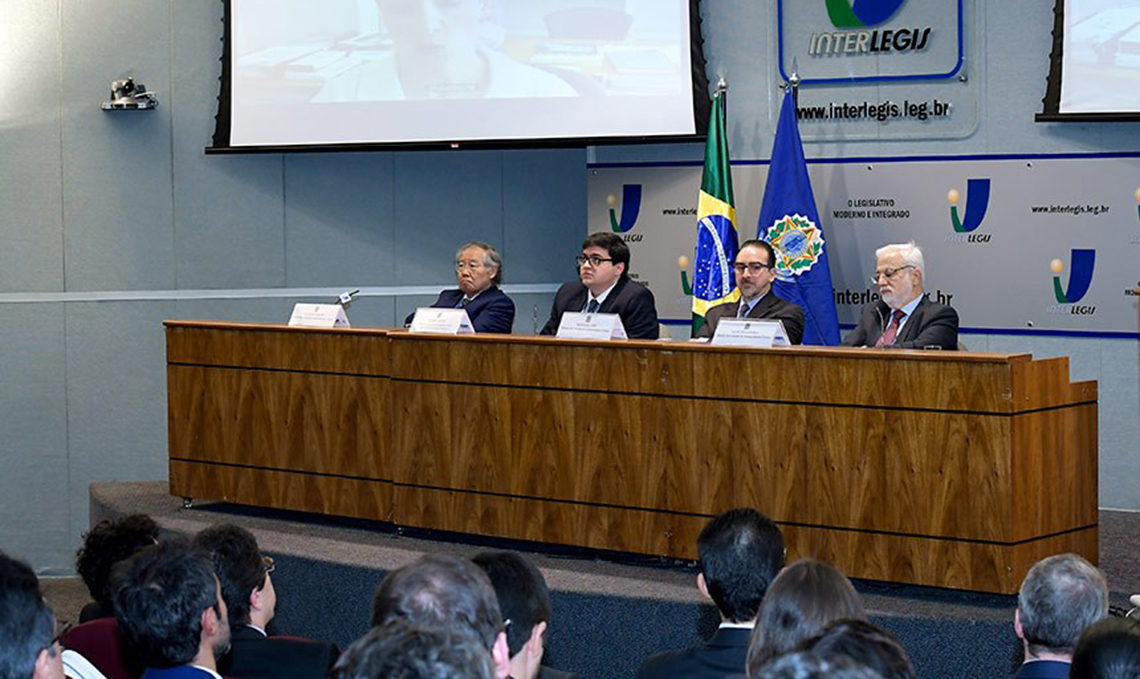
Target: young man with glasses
<point>247,588</point>
<point>755,272</point>
<point>604,287</point>
<point>29,647</point>
<point>903,317</point>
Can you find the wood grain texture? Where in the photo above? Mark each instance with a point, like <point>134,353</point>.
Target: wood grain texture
<point>939,468</point>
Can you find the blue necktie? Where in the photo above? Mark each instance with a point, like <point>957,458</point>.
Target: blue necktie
<point>592,307</point>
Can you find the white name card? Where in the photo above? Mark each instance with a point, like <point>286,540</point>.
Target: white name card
<point>318,316</point>
<point>441,322</point>
<point>579,325</point>
<point>748,332</point>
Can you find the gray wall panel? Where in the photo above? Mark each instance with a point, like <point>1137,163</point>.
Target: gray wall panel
<point>31,217</point>
<point>1119,424</point>
<point>543,213</point>
<point>33,428</point>
<point>116,396</point>
<point>339,229</point>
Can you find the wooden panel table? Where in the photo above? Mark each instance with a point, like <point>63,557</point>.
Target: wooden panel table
<point>941,468</point>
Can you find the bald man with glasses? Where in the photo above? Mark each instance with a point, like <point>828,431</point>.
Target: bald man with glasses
<point>755,272</point>
<point>902,317</point>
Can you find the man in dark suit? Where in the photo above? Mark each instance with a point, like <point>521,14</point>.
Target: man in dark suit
<point>755,273</point>
<point>741,551</point>
<point>479,271</point>
<point>903,317</point>
<point>524,599</point>
<point>251,600</point>
<point>1060,597</point>
<point>170,609</point>
<point>604,287</point>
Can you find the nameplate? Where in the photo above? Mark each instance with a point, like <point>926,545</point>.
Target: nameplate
<point>318,316</point>
<point>578,325</point>
<point>748,332</point>
<point>431,321</point>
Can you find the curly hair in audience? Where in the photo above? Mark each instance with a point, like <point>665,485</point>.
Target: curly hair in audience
<point>402,649</point>
<point>866,644</point>
<point>803,665</point>
<point>108,543</point>
<point>159,595</point>
<point>802,600</point>
<point>440,589</point>
<point>237,563</point>
<point>523,596</point>
<point>741,552</point>
<point>1110,649</point>
<point>27,625</point>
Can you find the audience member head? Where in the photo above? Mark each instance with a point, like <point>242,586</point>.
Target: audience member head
<point>1060,597</point>
<point>866,644</point>
<point>1109,649</point>
<point>169,606</point>
<point>741,552</point>
<point>804,665</point>
<point>802,600</point>
<point>402,649</point>
<point>28,649</point>
<point>108,543</point>
<point>444,590</point>
<point>243,573</point>
<point>524,600</point>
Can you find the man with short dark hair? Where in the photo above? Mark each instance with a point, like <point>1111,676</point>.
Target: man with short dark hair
<point>28,649</point>
<point>524,599</point>
<point>170,609</point>
<point>445,591</point>
<point>247,588</point>
<point>1060,597</point>
<point>402,649</point>
<point>604,287</point>
<point>741,552</point>
<point>755,269</point>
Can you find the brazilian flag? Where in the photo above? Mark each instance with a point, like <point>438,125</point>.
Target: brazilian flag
<point>713,279</point>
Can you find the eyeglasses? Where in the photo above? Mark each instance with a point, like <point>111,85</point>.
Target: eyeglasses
<point>888,273</point>
<point>594,260</point>
<point>267,564</point>
<point>474,266</point>
<point>754,267</point>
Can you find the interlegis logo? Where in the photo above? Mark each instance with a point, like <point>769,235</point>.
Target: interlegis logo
<point>977,202</point>
<point>630,208</point>
<point>1081,263</point>
<point>860,13</point>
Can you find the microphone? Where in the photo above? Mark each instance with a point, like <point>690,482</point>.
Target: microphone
<point>345,298</point>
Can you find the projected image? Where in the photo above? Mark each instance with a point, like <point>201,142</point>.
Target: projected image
<point>1102,57</point>
<point>425,50</point>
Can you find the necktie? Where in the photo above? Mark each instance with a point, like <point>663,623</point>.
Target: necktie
<point>888,337</point>
<point>465,302</point>
<point>742,312</point>
<point>592,307</point>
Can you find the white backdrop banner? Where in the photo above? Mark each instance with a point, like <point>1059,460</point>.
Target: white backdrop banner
<point>1032,244</point>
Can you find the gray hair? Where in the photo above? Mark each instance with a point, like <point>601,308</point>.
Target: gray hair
<point>1060,597</point>
<point>911,255</point>
<point>491,258</point>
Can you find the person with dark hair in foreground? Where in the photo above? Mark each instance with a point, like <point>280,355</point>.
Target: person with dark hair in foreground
<point>866,644</point>
<point>741,551</point>
<point>251,600</point>
<point>28,648</point>
<point>105,545</point>
<point>401,649</point>
<point>169,606</point>
<point>802,600</point>
<point>1110,649</point>
<point>445,591</point>
<point>604,287</point>
<point>524,599</point>
<point>804,665</point>
<point>1060,597</point>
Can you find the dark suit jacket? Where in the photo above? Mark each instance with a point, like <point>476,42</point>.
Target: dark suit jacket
<point>255,656</point>
<point>931,324</point>
<point>1043,669</point>
<point>179,672</point>
<point>491,311</point>
<point>629,299</point>
<point>725,654</point>
<point>770,306</point>
<point>545,672</point>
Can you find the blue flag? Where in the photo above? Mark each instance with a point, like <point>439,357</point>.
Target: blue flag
<point>790,222</point>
